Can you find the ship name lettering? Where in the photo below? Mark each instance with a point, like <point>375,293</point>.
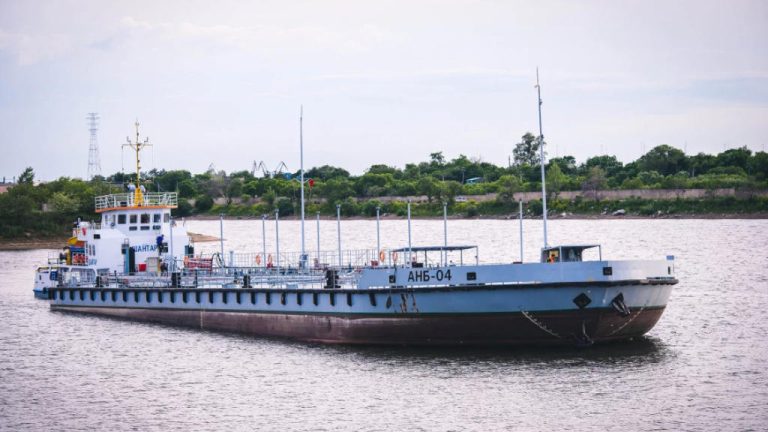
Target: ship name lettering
<point>427,275</point>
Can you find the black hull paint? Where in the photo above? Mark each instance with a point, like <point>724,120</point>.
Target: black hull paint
<point>581,327</point>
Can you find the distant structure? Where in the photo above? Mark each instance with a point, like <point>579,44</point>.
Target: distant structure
<point>94,162</point>
<point>270,174</point>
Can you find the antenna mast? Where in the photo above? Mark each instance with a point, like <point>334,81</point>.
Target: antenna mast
<point>138,146</point>
<point>303,259</point>
<point>541,153</point>
<point>94,162</point>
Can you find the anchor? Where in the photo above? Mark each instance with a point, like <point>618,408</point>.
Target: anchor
<point>619,306</point>
<point>583,340</point>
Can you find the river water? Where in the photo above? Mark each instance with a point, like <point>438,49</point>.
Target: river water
<point>703,367</point>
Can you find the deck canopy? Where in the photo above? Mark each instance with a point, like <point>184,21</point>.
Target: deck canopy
<point>443,251</point>
<point>434,248</point>
<point>567,253</point>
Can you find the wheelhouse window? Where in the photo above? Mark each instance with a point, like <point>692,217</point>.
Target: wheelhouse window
<point>145,218</point>
<point>133,218</point>
<point>121,219</point>
<point>156,218</point>
<point>166,217</point>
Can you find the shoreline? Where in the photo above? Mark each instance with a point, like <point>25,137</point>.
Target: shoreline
<point>31,243</point>
<point>573,216</point>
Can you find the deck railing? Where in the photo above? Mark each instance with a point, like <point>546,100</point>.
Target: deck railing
<point>349,258</point>
<point>128,200</point>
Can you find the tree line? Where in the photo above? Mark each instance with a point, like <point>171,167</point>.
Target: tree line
<point>43,208</point>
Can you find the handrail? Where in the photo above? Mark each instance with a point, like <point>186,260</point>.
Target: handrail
<point>128,200</point>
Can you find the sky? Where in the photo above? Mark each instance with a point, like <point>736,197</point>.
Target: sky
<point>386,82</point>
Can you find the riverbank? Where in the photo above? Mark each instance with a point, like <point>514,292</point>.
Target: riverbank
<point>584,216</point>
<point>30,243</point>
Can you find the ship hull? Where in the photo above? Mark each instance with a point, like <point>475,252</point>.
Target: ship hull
<point>570,313</point>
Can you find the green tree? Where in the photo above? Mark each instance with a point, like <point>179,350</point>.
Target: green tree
<point>738,157</point>
<point>27,177</point>
<point>664,159</point>
<point>234,189</point>
<point>429,187</point>
<point>64,204</point>
<point>450,189</point>
<point>284,206</point>
<point>437,159</point>
<point>567,164</point>
<point>758,165</point>
<point>555,180</point>
<point>326,172</point>
<point>203,203</point>
<point>609,164</point>
<point>507,186</point>
<point>526,152</point>
<point>594,182</point>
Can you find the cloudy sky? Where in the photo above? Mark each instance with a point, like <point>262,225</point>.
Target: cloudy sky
<point>381,82</point>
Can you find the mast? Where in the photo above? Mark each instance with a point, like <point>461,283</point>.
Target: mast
<point>541,153</point>
<point>303,259</point>
<point>138,195</point>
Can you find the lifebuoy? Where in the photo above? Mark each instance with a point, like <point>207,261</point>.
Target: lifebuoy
<point>382,255</point>
<point>258,259</point>
<point>394,256</point>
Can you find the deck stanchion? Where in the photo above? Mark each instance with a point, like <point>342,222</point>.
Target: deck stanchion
<point>444,255</point>
<point>338,231</point>
<point>277,240</point>
<point>173,257</point>
<point>409,233</point>
<point>378,233</point>
<point>264,238</point>
<point>318,238</point>
<point>221,237</point>
<point>521,229</point>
